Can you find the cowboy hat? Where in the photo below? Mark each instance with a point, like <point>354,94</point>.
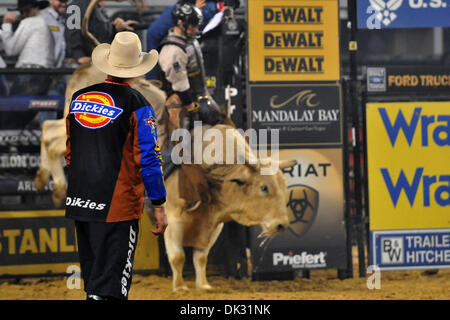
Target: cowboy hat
<point>124,58</point>
<point>22,4</point>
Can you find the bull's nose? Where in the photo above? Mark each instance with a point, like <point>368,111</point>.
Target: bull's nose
<point>280,228</point>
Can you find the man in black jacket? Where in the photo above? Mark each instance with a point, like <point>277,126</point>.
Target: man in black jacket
<point>113,158</point>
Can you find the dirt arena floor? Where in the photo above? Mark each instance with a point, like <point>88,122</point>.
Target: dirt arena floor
<point>322,285</point>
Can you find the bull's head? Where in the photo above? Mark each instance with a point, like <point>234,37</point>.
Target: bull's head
<point>258,199</point>
<point>249,196</point>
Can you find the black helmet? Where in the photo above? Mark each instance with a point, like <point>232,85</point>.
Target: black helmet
<point>188,14</point>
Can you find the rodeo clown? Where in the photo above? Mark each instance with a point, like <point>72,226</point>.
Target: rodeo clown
<point>183,77</point>
<point>113,157</point>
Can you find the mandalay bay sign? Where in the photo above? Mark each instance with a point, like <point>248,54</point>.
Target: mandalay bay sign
<point>304,114</point>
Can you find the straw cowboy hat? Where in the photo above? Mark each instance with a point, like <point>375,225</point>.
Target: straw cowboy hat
<point>123,58</point>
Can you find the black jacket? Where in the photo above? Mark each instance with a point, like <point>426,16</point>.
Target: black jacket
<point>112,154</point>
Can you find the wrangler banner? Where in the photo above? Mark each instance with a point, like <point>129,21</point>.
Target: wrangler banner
<point>44,242</point>
<point>408,152</point>
<point>316,236</point>
<point>293,40</point>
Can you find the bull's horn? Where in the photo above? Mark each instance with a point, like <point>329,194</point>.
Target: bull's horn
<point>283,164</point>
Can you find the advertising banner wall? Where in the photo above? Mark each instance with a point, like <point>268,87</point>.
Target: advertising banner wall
<point>316,237</point>
<point>304,114</point>
<point>382,14</point>
<point>44,242</point>
<point>426,80</point>
<point>293,40</point>
<point>408,152</point>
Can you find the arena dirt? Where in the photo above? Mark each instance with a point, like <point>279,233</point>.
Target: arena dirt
<point>323,284</point>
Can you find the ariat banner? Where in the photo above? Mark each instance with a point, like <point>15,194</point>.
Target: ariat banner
<point>293,40</point>
<point>316,236</point>
<point>408,152</point>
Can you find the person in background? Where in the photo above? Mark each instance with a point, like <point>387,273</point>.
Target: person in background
<point>4,89</point>
<point>159,28</point>
<point>32,42</point>
<point>54,16</point>
<point>182,69</point>
<point>78,47</point>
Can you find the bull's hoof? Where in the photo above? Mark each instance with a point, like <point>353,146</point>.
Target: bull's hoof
<point>204,287</point>
<point>181,289</point>
<point>59,196</point>
<point>41,180</point>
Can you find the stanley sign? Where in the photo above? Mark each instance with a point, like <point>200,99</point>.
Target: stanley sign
<point>298,41</point>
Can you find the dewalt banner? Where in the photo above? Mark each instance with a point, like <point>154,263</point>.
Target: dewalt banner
<point>293,40</point>
<point>408,157</point>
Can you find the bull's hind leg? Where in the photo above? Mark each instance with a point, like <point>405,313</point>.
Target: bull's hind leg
<point>201,258</point>
<point>175,252</point>
<point>43,173</point>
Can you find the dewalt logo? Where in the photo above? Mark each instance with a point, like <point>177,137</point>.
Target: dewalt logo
<point>293,40</point>
<point>297,41</point>
<point>293,15</point>
<point>293,65</point>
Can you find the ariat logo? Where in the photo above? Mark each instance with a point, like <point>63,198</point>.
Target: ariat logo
<point>302,208</point>
<point>94,110</point>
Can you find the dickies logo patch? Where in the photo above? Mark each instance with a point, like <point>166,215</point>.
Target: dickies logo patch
<point>94,110</point>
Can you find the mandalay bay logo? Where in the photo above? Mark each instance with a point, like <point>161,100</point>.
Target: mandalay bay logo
<point>303,106</point>
<point>306,98</point>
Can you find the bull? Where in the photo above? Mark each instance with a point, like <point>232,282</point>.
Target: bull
<point>238,192</point>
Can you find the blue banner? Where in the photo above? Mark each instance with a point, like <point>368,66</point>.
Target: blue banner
<point>384,14</point>
<point>410,249</point>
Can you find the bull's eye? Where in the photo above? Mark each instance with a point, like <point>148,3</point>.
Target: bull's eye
<point>239,182</point>
<point>265,189</point>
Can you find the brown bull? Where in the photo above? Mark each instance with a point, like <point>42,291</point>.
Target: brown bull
<point>237,192</point>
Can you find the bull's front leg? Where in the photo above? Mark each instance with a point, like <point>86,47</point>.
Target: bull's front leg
<point>200,258</point>
<point>43,173</point>
<point>175,253</point>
